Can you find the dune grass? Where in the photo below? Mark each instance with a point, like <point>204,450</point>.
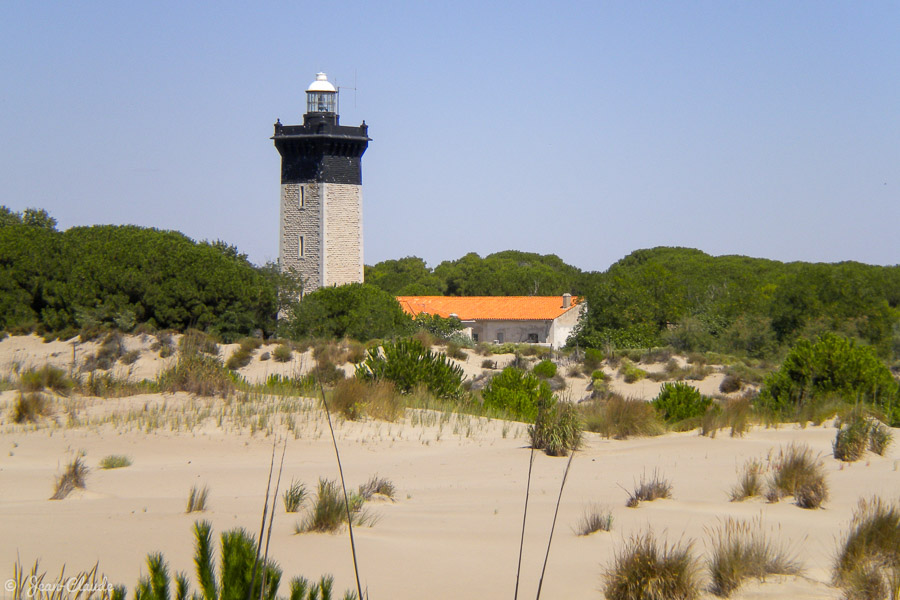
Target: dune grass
<point>294,497</point>
<point>377,485</point>
<point>594,518</point>
<point>197,499</point>
<point>798,473</point>
<point>649,489</point>
<point>740,550</point>
<point>329,512</point>
<point>30,407</point>
<point>46,377</point>
<point>621,418</point>
<point>860,432</point>
<point>646,569</point>
<point>73,477</point>
<point>115,461</point>
<point>751,483</point>
<point>355,398</point>
<point>867,564</point>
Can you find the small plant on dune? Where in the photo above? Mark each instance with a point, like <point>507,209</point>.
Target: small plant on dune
<point>163,344</point>
<point>621,418</point>
<point>130,357</point>
<point>880,438</point>
<point>456,351</point>
<point>354,398</point>
<point>594,518</point>
<point>115,461</point>
<point>30,407</point>
<point>488,364</point>
<point>797,472</point>
<point>197,499</point>
<point>294,496</point>
<point>751,482</point>
<point>649,489</point>
<point>377,485</point>
<point>858,433</point>
<point>303,589</point>
<point>243,354</point>
<point>679,401</point>
<point>646,569</point>
<point>73,477</point>
<point>557,428</point>
<point>630,372</point>
<point>730,384</point>
<point>197,374</point>
<point>868,558</point>
<point>740,550</point>
<point>593,359</point>
<point>282,353</point>
<point>517,393</point>
<point>47,377</point>
<point>546,369</point>
<point>195,340</point>
<point>329,511</point>
<point>25,585</point>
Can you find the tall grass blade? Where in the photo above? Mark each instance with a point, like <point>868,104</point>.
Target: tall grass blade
<point>272,520</point>
<point>553,526</point>
<point>524,517</point>
<point>262,526</point>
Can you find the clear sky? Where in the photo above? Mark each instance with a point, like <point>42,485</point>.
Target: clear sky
<point>584,129</point>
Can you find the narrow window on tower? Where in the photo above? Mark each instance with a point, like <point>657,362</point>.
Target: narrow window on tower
<point>300,247</point>
<point>300,198</point>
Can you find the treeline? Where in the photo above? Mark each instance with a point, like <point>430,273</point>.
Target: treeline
<point>107,276</point>
<point>682,297</point>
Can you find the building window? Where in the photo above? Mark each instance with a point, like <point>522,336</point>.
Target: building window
<point>301,198</point>
<point>474,337</point>
<point>300,248</point>
<point>532,338</point>
<point>499,337</point>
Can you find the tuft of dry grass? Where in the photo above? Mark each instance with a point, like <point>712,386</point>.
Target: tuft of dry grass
<point>47,377</point>
<point>30,407</point>
<point>294,496</point>
<point>867,564</point>
<point>73,477</point>
<point>649,489</point>
<point>750,483</point>
<point>115,461</point>
<point>797,472</point>
<point>621,418</point>
<point>377,485</point>
<point>197,374</point>
<point>646,569</point>
<point>594,518</point>
<point>197,499</point>
<point>355,398</point>
<point>329,512</point>
<point>740,550</point>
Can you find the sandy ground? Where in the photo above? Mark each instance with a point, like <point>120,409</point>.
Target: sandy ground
<point>454,528</point>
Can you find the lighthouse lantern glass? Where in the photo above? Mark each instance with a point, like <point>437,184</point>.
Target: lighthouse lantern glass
<point>321,102</point>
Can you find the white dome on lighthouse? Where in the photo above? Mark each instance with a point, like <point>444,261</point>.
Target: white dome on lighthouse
<point>321,84</point>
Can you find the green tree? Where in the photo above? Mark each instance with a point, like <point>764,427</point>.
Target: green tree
<point>359,311</point>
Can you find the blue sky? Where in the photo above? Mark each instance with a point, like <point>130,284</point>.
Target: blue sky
<point>584,129</point>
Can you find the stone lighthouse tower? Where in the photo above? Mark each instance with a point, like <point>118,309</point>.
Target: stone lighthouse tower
<point>320,233</point>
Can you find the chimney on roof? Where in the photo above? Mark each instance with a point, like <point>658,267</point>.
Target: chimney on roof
<point>567,300</point>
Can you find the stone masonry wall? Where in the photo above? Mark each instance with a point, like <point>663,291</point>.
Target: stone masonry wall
<point>343,234</point>
<point>296,222</point>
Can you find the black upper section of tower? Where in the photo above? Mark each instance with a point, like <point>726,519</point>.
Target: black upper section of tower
<point>321,150</point>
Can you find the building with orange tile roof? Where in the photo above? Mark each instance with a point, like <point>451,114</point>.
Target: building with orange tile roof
<point>519,319</point>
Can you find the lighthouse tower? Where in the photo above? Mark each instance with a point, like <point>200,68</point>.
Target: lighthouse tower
<point>320,232</point>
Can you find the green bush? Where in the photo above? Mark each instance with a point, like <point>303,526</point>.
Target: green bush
<point>630,372</point>
<point>407,363</point>
<point>831,365</point>
<point>282,353</point>
<point>546,369</point>
<point>557,429</point>
<point>115,461</point>
<point>679,401</point>
<point>357,311</point>
<point>517,393</point>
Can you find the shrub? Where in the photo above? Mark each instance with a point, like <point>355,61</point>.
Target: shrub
<point>593,359</point>
<point>650,489</point>
<point>546,369</point>
<point>630,372</point>
<point>880,438</point>
<point>73,477</point>
<point>30,407</point>
<point>115,461</point>
<point>358,311</point>
<point>594,518</point>
<point>130,357</point>
<point>407,363</point>
<point>377,485</point>
<point>282,353</point>
<point>517,393</point>
<point>868,559</point>
<point>354,398</point>
<point>47,377</point>
<point>648,570</point>
<point>740,550</point>
<point>750,483</point>
<point>197,499</point>
<point>621,418</point>
<point>730,384</point>
<point>797,472</point>
<point>454,350</point>
<point>557,428</point>
<point>294,496</point>
<point>197,374</point>
<point>679,401</point>
<point>598,375</point>
<point>243,354</point>
<point>852,439</point>
<point>488,364</point>
<point>329,512</point>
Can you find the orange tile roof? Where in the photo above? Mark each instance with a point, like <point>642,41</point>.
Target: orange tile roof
<point>476,308</point>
